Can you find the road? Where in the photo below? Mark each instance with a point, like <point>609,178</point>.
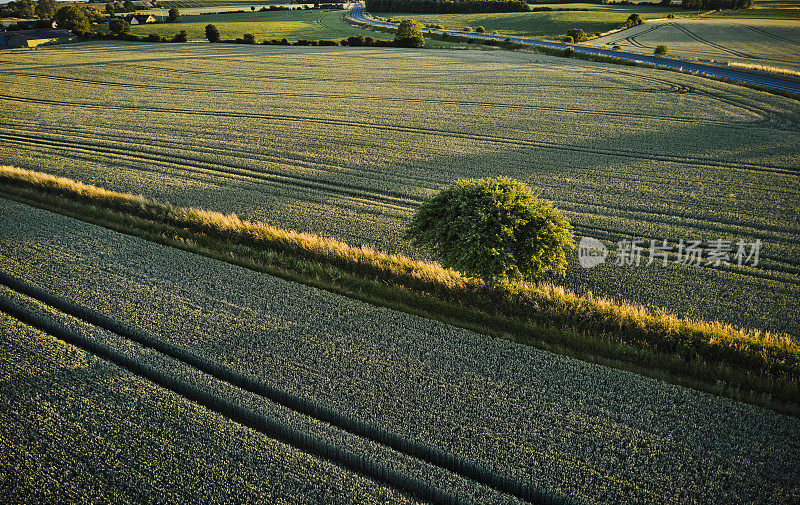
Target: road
<point>773,83</point>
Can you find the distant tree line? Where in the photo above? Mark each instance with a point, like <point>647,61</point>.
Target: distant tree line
<point>122,32</point>
<point>28,9</point>
<point>716,4</point>
<point>479,6</point>
<point>447,6</point>
<point>70,16</point>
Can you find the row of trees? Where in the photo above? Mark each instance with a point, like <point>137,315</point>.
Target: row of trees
<point>477,6</point>
<point>122,32</point>
<point>447,6</point>
<point>73,17</point>
<point>716,4</point>
<point>409,34</point>
<point>76,18</point>
<point>126,6</point>
<point>28,9</point>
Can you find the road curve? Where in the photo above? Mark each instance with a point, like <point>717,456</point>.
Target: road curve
<point>356,13</point>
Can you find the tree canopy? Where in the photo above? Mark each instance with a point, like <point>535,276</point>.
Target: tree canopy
<point>173,14</point>
<point>495,229</point>
<point>46,9</point>
<point>118,26</point>
<point>212,34</point>
<point>72,18</point>
<point>182,36</point>
<point>409,34</point>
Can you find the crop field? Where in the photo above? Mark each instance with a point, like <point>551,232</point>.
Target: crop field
<point>781,11</point>
<point>76,429</point>
<point>591,18</point>
<point>765,42</point>
<point>294,25</point>
<point>193,11</point>
<point>592,433</point>
<point>188,4</point>
<point>347,143</point>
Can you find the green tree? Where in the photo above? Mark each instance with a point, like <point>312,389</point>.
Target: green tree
<point>127,6</point>
<point>25,9</point>
<point>212,34</point>
<point>248,38</point>
<point>409,34</point>
<point>173,15</point>
<point>495,229</point>
<point>72,18</point>
<point>183,36</point>
<point>661,50</point>
<point>46,9</point>
<point>578,35</point>
<point>110,9</point>
<point>119,26</point>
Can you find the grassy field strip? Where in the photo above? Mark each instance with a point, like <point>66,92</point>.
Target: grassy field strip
<point>693,35</point>
<point>25,138</point>
<point>773,36</point>
<point>295,24</point>
<point>362,96</point>
<point>774,264</point>
<point>156,150</point>
<point>86,410</point>
<point>407,202</point>
<point>122,141</point>
<point>246,155</point>
<point>542,417</point>
<point>274,178</point>
<point>632,38</point>
<point>617,232</point>
<point>344,457</point>
<point>592,18</point>
<point>426,130</point>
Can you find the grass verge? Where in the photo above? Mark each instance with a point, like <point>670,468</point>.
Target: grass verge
<point>747,365</point>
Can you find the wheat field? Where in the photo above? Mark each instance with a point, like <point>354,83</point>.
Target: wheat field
<point>347,142</point>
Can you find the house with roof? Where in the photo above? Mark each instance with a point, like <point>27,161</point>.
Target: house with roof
<point>33,38</point>
<point>139,19</point>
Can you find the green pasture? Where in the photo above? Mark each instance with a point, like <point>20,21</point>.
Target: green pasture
<point>293,25</point>
<point>590,18</point>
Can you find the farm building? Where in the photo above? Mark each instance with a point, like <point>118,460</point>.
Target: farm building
<point>33,38</point>
<point>139,19</point>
